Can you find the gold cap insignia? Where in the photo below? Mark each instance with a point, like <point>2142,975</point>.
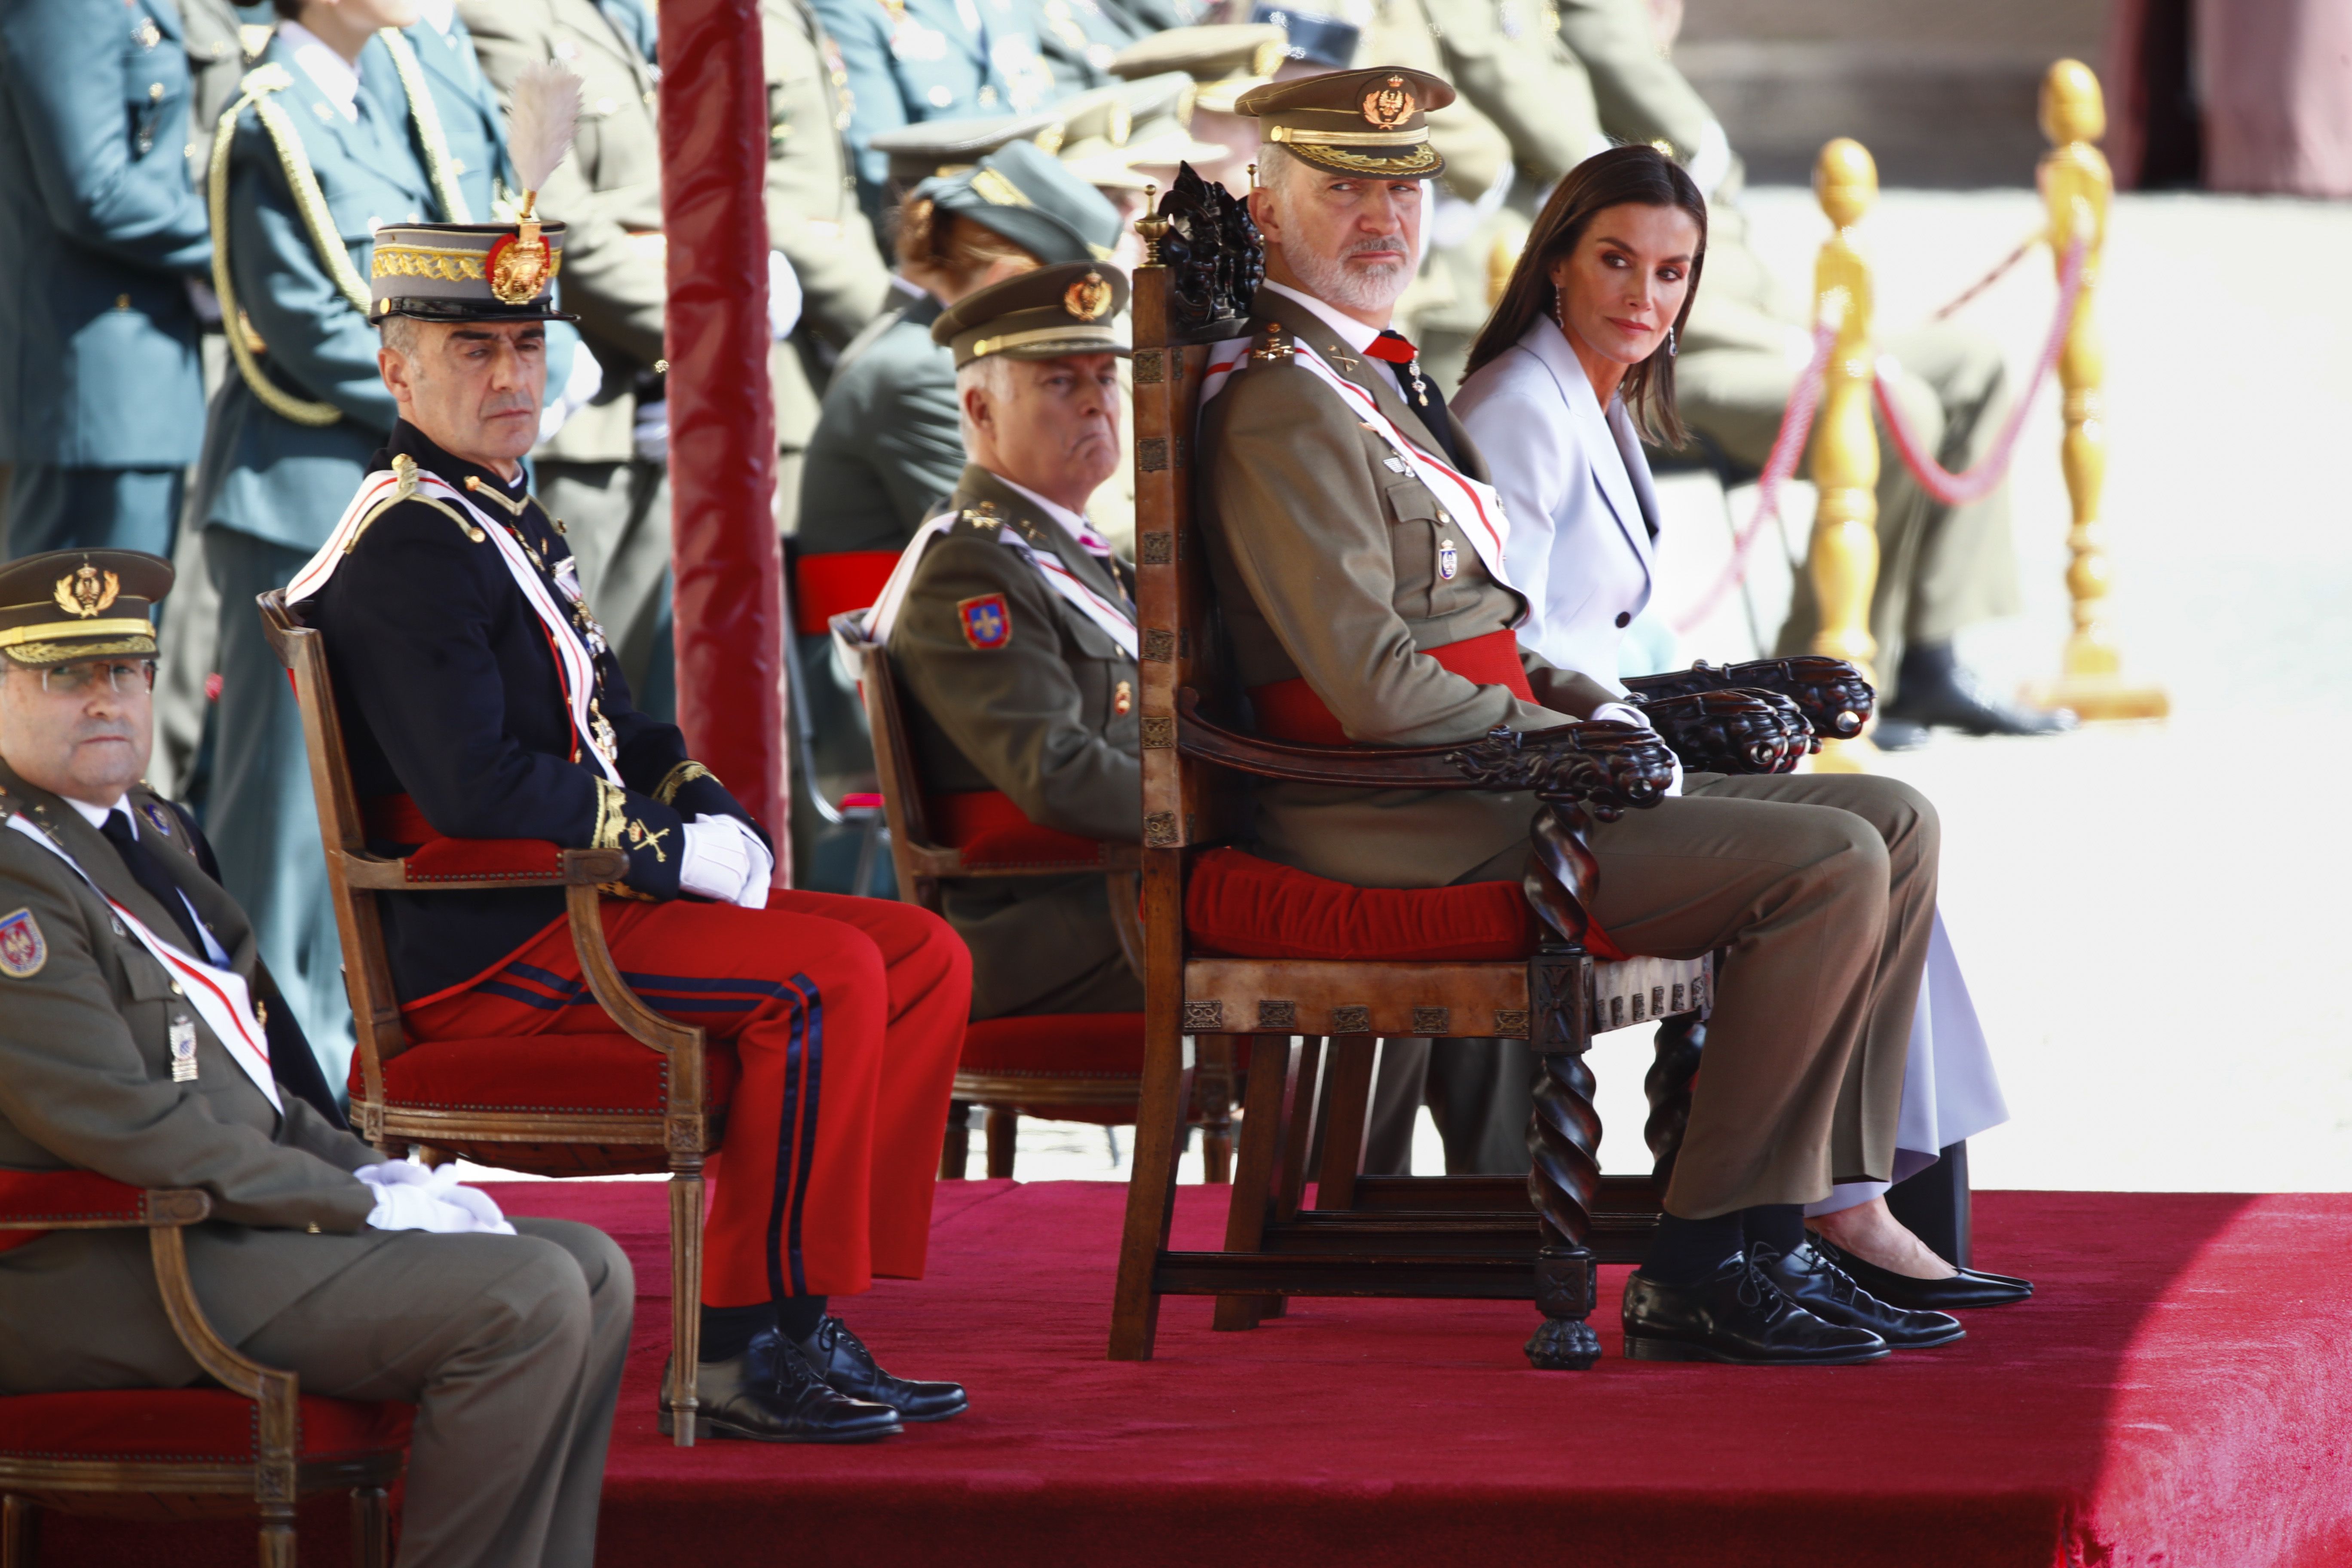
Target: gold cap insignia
<point>88,591</point>
<point>518,265</point>
<point>1089,298</point>
<point>1267,57</point>
<point>1388,105</point>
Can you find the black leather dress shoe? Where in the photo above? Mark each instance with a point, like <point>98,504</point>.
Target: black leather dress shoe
<point>1932,689</point>
<point>841,1358</point>
<point>768,1395</point>
<point>1968,1288</point>
<point>1809,1280</point>
<point>1739,1317</point>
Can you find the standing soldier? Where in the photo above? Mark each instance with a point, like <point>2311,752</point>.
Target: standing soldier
<point>291,435</point>
<point>1011,623</point>
<point>102,390</point>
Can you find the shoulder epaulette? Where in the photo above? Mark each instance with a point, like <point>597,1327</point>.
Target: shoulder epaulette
<point>411,486</point>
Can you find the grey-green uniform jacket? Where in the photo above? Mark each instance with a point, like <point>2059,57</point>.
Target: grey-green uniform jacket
<point>1048,716</point>
<point>1326,562</point>
<point>86,1083</point>
<point>888,446</point>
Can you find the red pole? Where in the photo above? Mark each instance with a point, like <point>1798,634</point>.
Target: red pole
<point>727,565</point>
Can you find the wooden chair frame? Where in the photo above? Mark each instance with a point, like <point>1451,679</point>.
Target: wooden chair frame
<point>922,864</point>
<point>270,1486</point>
<point>676,1140</point>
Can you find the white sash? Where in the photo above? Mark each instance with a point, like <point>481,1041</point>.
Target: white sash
<point>219,995</point>
<point>1111,617</point>
<point>575,664</point>
<point>1473,502</point>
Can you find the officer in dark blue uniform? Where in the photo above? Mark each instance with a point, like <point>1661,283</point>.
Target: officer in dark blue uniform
<point>101,388</point>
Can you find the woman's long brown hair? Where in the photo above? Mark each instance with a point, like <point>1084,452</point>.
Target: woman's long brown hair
<point>1637,175</point>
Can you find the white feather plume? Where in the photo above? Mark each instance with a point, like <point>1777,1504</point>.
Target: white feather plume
<point>540,127</point>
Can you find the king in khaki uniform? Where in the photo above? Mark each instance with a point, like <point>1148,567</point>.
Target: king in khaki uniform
<point>1011,625</point>
<point>1360,563</point>
<point>141,1038</point>
<point>482,700</point>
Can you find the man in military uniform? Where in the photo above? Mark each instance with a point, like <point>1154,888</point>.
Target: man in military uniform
<point>1367,598</point>
<point>140,1038</point>
<point>289,436</point>
<point>1010,624</point>
<point>101,392</point>
<point>480,700</point>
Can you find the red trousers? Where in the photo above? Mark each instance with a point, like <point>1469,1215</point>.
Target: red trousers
<point>847,1016</point>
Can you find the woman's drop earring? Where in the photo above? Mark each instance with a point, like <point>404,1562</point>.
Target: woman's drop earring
<point>1560,306</point>
<point>1672,349</point>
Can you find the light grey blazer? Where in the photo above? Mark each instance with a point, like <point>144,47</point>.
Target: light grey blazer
<point>1577,493</point>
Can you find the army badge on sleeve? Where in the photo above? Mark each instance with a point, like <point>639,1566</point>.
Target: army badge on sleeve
<point>987,623</point>
<point>23,949</point>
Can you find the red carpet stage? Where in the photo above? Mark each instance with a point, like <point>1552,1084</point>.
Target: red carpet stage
<point>2179,1394</point>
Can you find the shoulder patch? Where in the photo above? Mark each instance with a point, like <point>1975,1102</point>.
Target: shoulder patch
<point>987,623</point>
<point>23,949</point>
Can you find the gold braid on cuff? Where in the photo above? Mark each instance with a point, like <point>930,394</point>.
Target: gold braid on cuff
<point>678,777</point>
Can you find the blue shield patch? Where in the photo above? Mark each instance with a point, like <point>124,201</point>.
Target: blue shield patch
<point>23,949</point>
<point>1449,562</point>
<point>987,623</point>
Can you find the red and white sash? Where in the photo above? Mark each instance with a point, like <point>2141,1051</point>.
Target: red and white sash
<point>219,995</point>
<point>575,664</point>
<point>1112,618</point>
<point>1472,502</point>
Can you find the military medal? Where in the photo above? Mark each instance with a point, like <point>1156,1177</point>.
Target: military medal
<point>184,1049</point>
<point>1122,698</point>
<point>1449,561</point>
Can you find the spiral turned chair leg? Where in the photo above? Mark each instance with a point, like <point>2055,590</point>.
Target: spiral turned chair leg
<point>1563,1144</point>
<point>1680,1041</point>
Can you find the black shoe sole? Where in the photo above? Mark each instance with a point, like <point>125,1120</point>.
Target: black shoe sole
<point>942,1415</point>
<point>704,1426</point>
<point>1957,1335</point>
<point>1641,1347</point>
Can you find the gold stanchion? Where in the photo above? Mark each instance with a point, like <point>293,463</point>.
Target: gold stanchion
<point>1844,556</point>
<point>2076,184</point>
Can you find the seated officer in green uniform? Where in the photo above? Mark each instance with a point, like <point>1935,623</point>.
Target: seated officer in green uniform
<point>291,432</point>
<point>1011,625</point>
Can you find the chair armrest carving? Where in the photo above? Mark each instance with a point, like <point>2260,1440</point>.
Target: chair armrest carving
<point>1733,732</point>
<point>1830,692</point>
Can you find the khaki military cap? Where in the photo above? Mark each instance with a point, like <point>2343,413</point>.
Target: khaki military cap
<point>1354,122</point>
<point>67,604</point>
<point>1226,59</point>
<point>1109,132</point>
<point>1071,308</point>
<point>467,271</point>
<point>933,147</point>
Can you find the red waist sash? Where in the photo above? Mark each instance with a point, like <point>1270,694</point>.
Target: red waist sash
<point>1290,710</point>
<point>991,830</point>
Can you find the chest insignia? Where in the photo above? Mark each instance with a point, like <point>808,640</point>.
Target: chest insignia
<point>184,1049</point>
<point>1122,699</point>
<point>987,623</point>
<point>157,817</point>
<point>1449,561</point>
<point>23,949</point>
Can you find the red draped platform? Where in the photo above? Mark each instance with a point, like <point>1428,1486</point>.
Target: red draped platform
<point>2179,1394</point>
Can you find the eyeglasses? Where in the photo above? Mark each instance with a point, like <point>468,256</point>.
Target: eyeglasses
<point>82,679</point>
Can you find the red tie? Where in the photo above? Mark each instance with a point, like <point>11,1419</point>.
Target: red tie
<point>1393,347</point>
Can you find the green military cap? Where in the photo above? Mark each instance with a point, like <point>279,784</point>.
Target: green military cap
<point>1112,130</point>
<point>933,147</point>
<point>1054,311</point>
<point>1354,122</point>
<point>65,604</point>
<point>1022,193</point>
<point>467,271</point>
<point>1225,59</point>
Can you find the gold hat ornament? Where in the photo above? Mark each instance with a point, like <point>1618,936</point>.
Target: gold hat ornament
<point>64,605</point>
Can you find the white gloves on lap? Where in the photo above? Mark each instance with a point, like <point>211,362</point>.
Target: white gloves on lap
<point>726,861</point>
<point>410,1198</point>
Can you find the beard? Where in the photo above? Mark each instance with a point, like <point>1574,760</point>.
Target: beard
<point>1361,288</point>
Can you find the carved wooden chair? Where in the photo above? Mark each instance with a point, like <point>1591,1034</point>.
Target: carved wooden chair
<point>1080,1067</point>
<point>1492,960</point>
<point>256,1444</point>
<point>644,1098</point>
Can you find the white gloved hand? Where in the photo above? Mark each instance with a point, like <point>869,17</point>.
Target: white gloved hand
<point>725,861</point>
<point>649,435</point>
<point>408,1196</point>
<point>783,296</point>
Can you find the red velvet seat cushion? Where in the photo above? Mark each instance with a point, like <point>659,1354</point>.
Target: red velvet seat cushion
<point>1239,906</point>
<point>541,1073</point>
<point>185,1424</point>
<point>56,1195</point>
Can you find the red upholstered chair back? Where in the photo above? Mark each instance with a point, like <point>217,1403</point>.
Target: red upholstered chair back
<point>824,587</point>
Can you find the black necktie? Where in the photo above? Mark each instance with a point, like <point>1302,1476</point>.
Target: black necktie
<point>149,874</point>
<point>1419,390</point>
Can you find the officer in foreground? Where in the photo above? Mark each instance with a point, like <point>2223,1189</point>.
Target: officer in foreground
<point>141,1038</point>
<point>482,700</point>
<point>1011,624</point>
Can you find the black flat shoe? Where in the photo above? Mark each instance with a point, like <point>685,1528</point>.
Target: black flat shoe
<point>1809,1280</point>
<point>1968,1288</point>
<point>1737,1317</point>
<point>768,1395</point>
<point>1931,689</point>
<point>841,1360</point>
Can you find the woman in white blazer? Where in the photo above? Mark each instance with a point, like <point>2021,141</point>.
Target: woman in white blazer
<point>1573,372</point>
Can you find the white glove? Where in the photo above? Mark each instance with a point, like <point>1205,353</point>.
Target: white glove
<point>783,296</point>
<point>649,437</point>
<point>410,1198</point>
<point>580,387</point>
<point>1630,714</point>
<point>725,861</point>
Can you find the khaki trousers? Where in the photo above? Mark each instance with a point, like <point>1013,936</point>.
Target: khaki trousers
<point>1819,889</point>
